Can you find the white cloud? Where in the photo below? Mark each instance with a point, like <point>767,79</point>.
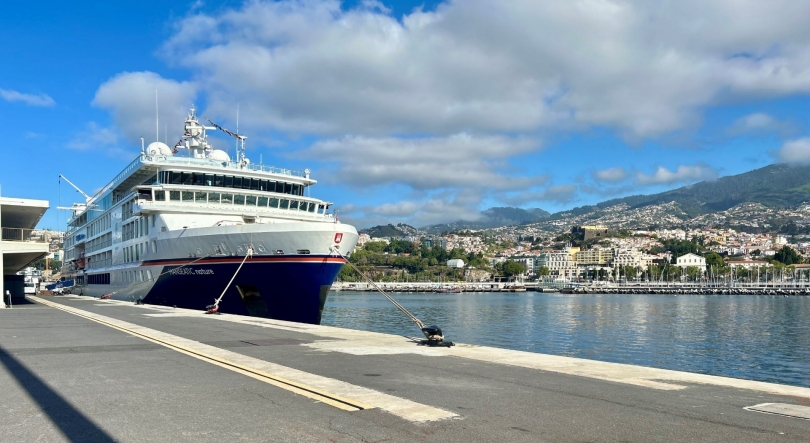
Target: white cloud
<point>130,97</point>
<point>795,151</point>
<point>683,174</point>
<point>97,138</point>
<point>30,99</point>
<point>644,68</point>
<point>441,208</point>
<point>557,194</point>
<point>760,123</point>
<point>460,160</point>
<point>611,175</point>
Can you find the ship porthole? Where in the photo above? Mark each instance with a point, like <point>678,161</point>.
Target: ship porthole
<point>261,248</point>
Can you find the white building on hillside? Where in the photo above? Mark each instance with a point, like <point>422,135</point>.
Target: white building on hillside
<point>455,263</point>
<point>690,259</point>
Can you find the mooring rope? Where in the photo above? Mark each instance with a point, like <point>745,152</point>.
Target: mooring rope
<point>211,309</point>
<point>391,299</point>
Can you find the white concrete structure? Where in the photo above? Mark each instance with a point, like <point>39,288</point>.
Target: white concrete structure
<point>690,259</point>
<point>18,247</point>
<point>455,263</point>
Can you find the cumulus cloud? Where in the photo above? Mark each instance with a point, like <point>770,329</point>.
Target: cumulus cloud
<point>611,175</point>
<point>795,151</point>
<point>683,174</point>
<point>643,68</point>
<point>459,160</point>
<point>29,99</point>
<point>130,97</point>
<point>759,124</point>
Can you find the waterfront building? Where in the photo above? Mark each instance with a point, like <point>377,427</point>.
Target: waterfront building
<point>691,260</point>
<point>559,264</point>
<point>594,256</point>
<point>18,246</point>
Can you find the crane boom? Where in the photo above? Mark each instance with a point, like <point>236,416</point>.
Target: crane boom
<point>87,197</point>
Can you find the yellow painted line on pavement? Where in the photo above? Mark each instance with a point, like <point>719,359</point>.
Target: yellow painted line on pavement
<point>292,386</point>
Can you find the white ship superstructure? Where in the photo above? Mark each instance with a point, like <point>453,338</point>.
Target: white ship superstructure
<point>172,230</point>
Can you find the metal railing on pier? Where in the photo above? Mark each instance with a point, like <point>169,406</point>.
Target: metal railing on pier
<point>18,234</point>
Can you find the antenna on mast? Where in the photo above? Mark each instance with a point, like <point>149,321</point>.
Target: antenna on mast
<point>157,118</point>
<point>237,129</point>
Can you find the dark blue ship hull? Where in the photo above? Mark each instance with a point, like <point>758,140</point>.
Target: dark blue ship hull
<point>282,288</point>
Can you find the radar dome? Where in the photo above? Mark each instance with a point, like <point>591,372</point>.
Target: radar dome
<point>158,148</point>
<point>219,155</point>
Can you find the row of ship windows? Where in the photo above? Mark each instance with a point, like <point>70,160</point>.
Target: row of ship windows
<point>228,181</point>
<point>99,242</point>
<point>124,277</point>
<point>136,228</point>
<point>99,260</point>
<point>99,225</point>
<point>134,253</point>
<point>239,199</point>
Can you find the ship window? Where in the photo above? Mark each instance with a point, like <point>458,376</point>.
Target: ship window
<point>294,204</point>
<point>174,195</point>
<point>213,197</point>
<point>263,185</point>
<point>302,206</point>
<point>274,203</point>
<point>250,200</point>
<point>237,182</point>
<point>263,201</point>
<point>188,178</point>
<point>177,178</point>
<point>188,196</point>
<point>312,207</point>
<point>198,178</point>
<point>219,180</point>
<point>200,197</point>
<point>160,196</point>
<point>245,183</point>
<point>296,190</point>
<point>209,180</point>
<point>271,186</point>
<point>285,203</point>
<point>288,188</point>
<point>254,184</point>
<point>229,181</point>
<point>238,199</point>
<point>154,246</point>
<point>227,199</point>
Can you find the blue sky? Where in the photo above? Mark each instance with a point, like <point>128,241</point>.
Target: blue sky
<point>412,111</point>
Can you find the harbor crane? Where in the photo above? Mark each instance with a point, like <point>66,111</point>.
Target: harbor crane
<point>86,197</point>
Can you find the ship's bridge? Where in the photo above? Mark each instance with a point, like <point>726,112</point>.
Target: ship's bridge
<point>18,246</point>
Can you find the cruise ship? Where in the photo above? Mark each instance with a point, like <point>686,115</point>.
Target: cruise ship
<point>203,231</point>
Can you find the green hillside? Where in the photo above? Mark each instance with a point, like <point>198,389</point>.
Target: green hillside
<point>775,186</point>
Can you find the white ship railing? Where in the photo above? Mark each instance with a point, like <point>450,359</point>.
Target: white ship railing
<point>145,158</point>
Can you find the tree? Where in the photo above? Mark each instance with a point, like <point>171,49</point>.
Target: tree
<point>543,271</point>
<point>374,246</point>
<point>510,268</point>
<point>693,272</point>
<point>787,256</point>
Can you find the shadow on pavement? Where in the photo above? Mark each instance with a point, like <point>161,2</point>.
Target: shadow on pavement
<point>73,424</point>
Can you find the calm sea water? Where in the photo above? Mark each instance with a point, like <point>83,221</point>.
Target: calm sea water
<point>764,338</point>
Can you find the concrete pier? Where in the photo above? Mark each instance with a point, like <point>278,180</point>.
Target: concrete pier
<point>80,369</point>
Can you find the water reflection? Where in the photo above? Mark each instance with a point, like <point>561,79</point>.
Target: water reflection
<point>763,338</point>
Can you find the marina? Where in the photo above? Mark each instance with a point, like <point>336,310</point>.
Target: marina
<point>226,377</point>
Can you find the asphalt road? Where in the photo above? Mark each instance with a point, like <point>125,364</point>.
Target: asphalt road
<point>68,377</point>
